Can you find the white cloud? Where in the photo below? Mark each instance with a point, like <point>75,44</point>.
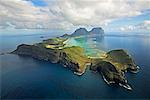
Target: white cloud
<point>23,14</point>
<point>97,12</point>
<point>65,14</point>
<point>144,26</point>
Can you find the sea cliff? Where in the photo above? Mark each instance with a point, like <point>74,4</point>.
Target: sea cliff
<point>111,65</point>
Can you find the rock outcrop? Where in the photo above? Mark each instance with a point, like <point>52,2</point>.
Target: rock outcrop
<point>38,52</point>
<point>113,66</point>
<point>110,73</point>
<point>71,57</point>
<point>122,60</point>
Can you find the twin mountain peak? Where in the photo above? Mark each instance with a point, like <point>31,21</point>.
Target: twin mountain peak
<point>83,31</point>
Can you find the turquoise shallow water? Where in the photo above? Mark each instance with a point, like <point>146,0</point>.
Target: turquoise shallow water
<point>89,43</point>
<point>25,77</point>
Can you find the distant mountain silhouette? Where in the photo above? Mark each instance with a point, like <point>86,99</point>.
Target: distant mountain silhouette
<point>80,31</point>
<point>83,31</point>
<point>97,30</point>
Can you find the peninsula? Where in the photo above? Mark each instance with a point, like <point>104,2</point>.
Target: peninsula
<point>111,65</point>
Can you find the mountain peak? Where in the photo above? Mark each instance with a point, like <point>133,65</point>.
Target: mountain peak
<point>97,30</point>
<point>83,31</point>
<point>80,31</point>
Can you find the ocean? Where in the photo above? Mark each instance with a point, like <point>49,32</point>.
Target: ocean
<point>25,77</point>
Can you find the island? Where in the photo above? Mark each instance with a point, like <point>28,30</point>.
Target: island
<point>111,65</point>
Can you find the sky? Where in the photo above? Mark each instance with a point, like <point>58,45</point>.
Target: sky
<point>68,15</point>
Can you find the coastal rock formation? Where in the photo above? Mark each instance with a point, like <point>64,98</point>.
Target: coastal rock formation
<point>109,73</point>
<point>122,60</point>
<point>38,52</point>
<point>71,57</point>
<point>111,65</point>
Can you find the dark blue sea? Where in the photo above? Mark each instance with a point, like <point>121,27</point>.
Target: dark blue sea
<point>25,77</point>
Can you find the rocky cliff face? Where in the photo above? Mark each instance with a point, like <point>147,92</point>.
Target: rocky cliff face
<point>64,60</point>
<point>122,60</point>
<point>113,66</point>
<point>38,52</point>
<point>66,57</point>
<point>110,73</point>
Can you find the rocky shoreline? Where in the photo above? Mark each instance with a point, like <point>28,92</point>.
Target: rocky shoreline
<point>110,65</point>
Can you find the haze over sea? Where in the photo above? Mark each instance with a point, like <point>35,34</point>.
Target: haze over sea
<point>25,77</point>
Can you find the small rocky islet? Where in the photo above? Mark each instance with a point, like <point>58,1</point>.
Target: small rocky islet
<point>111,65</point>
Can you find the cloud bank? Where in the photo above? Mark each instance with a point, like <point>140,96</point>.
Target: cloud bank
<point>67,14</point>
<point>97,12</point>
<point>145,26</point>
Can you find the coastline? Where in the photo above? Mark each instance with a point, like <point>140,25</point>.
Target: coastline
<point>128,87</point>
<point>73,56</point>
<point>85,68</point>
<point>138,68</point>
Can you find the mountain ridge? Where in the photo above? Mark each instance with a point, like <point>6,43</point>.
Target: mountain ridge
<point>83,31</point>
